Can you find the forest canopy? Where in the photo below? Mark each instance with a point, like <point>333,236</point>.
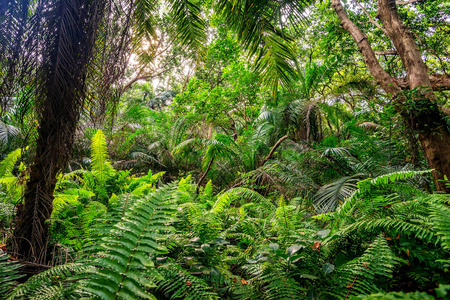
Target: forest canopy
<point>227,149</point>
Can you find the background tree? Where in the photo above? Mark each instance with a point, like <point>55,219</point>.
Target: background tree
<point>419,107</point>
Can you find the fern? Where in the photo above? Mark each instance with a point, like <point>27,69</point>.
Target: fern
<point>440,215</point>
<point>179,284</point>
<point>123,268</point>
<point>395,296</point>
<point>365,186</point>
<point>225,199</point>
<point>283,222</point>
<point>8,275</point>
<point>273,281</point>
<point>100,164</point>
<point>7,164</point>
<point>393,226</point>
<point>365,274</point>
<point>50,282</point>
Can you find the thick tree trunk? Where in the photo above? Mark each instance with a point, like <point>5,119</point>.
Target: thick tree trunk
<point>424,114</point>
<point>31,233</point>
<point>421,112</point>
<point>436,145</point>
<point>69,41</point>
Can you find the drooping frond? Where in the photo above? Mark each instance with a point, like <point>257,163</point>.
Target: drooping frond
<point>190,27</point>
<point>220,147</point>
<point>7,132</point>
<point>259,25</point>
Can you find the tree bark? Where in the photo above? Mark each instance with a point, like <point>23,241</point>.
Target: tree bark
<point>70,39</point>
<point>421,112</point>
<point>424,116</point>
<point>438,82</point>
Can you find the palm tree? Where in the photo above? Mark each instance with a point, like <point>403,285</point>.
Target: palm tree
<point>52,54</point>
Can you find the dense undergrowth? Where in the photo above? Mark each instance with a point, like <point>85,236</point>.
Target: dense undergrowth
<point>127,236</point>
<point>265,162</point>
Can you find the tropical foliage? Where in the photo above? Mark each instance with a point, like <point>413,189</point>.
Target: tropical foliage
<point>224,150</point>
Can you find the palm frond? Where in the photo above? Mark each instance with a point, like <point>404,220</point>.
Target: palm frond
<point>329,195</point>
<point>261,31</point>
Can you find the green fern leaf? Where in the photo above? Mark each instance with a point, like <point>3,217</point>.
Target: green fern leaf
<point>100,164</point>
<point>7,165</point>
<point>123,267</point>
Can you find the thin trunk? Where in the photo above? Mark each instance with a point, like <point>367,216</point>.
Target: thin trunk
<point>210,131</point>
<point>233,127</point>
<point>204,175</point>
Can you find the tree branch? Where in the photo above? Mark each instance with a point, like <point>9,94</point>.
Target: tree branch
<point>439,82</point>
<point>406,2</point>
<point>277,144</point>
<point>381,76</point>
<point>371,20</point>
<point>386,52</point>
<point>204,175</point>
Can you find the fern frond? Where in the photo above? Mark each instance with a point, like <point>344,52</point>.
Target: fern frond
<point>391,225</point>
<point>274,282</point>
<point>100,164</point>
<point>440,215</point>
<point>229,196</point>
<point>123,268</point>
<point>8,275</point>
<point>391,178</point>
<point>179,284</point>
<point>365,274</point>
<point>395,296</point>
<point>48,281</point>
<point>7,164</point>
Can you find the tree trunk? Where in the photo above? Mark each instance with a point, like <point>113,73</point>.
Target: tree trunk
<point>424,113</point>
<point>31,232</point>
<point>204,175</point>
<point>421,112</point>
<point>69,41</point>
